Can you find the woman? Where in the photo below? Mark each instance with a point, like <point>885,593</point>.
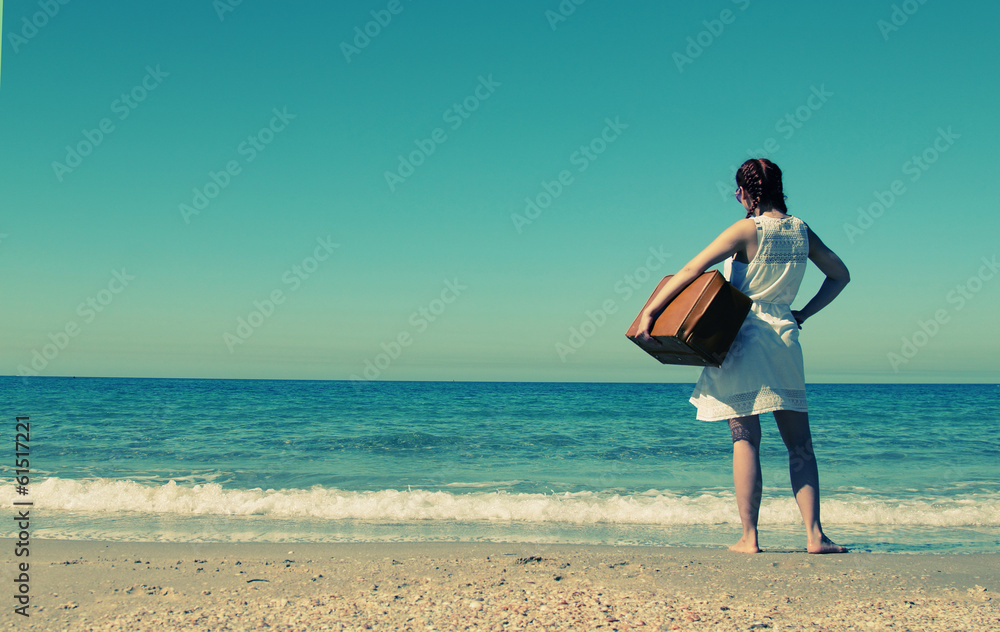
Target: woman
<point>763,371</point>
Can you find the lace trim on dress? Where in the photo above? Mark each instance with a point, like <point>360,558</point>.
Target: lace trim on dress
<point>783,246</point>
<point>764,400</point>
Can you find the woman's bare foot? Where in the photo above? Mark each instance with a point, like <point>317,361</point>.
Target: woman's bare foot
<point>825,546</point>
<point>746,545</point>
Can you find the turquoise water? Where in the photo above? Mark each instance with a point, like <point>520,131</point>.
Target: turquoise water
<point>903,467</point>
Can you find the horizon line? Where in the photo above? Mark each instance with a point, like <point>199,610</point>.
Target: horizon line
<point>278,379</point>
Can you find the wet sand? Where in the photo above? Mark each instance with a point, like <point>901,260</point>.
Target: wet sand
<point>84,586</point>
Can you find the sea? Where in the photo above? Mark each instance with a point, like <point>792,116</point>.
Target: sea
<point>904,468</point>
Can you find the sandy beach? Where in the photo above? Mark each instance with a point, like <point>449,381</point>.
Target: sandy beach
<point>83,586</point>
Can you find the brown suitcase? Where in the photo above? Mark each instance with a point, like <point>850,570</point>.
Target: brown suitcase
<point>699,325</point>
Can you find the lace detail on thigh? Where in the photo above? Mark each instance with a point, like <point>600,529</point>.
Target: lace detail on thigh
<point>745,429</point>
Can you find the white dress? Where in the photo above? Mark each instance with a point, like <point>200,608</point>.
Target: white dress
<point>763,370</point>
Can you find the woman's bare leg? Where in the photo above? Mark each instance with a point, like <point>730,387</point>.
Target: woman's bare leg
<point>794,428</point>
<point>747,478</point>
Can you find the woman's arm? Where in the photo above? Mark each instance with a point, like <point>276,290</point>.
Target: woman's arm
<point>837,277</point>
<point>733,239</point>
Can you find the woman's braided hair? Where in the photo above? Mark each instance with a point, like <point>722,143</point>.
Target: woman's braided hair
<point>761,179</point>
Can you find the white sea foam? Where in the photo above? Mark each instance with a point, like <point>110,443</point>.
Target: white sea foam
<point>484,484</point>
<point>652,507</point>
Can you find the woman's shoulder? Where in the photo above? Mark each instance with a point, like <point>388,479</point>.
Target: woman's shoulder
<point>803,226</point>
<point>799,226</point>
<point>742,227</point>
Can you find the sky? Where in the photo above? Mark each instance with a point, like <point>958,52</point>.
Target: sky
<point>406,190</point>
